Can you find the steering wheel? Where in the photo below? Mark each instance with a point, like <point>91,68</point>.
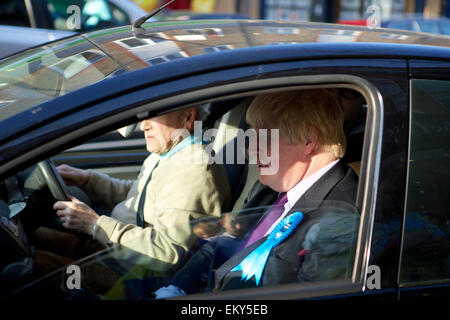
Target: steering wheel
<point>54,180</point>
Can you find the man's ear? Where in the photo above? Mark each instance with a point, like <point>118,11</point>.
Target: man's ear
<point>190,116</point>
<point>311,145</point>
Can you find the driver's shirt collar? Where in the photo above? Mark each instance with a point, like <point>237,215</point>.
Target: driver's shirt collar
<point>189,140</point>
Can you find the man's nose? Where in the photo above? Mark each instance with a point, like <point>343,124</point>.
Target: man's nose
<point>146,125</point>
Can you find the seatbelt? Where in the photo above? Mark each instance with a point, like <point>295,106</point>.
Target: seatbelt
<point>140,210</point>
<point>191,139</point>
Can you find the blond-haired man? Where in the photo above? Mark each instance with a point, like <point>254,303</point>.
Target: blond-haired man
<point>311,142</point>
<point>309,177</point>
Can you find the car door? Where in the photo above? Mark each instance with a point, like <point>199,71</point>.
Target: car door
<point>425,259</point>
<point>385,150</point>
<point>384,84</point>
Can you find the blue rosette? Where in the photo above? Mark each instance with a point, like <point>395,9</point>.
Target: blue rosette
<point>254,263</point>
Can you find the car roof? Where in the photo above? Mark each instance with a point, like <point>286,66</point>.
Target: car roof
<point>99,55</point>
<point>194,37</point>
<point>44,84</point>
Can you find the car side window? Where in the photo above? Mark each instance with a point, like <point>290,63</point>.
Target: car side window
<point>425,252</point>
<point>322,249</point>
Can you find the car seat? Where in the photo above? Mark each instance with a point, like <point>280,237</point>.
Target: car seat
<point>241,176</point>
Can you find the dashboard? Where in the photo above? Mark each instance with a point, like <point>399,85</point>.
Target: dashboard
<point>24,205</point>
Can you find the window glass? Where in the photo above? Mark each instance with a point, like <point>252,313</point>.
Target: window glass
<point>50,71</point>
<point>425,252</point>
<point>311,242</point>
<point>327,253</point>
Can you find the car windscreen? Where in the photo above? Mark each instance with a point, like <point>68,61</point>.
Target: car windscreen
<point>52,70</point>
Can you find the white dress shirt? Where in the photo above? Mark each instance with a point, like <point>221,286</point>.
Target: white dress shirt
<point>299,189</point>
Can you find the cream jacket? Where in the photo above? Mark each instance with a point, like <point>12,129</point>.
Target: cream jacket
<point>180,190</point>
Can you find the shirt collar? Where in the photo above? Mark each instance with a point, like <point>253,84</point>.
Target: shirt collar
<point>300,188</point>
<point>189,140</point>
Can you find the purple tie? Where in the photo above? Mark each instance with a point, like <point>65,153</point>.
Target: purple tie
<point>266,222</point>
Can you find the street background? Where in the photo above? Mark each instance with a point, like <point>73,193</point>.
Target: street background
<point>302,10</point>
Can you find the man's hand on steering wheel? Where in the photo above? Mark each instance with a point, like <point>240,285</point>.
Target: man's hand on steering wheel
<point>76,215</point>
<point>71,213</point>
<point>73,176</point>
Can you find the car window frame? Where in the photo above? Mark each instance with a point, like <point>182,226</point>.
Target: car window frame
<point>412,285</point>
<point>428,69</point>
<point>366,196</point>
<point>370,169</point>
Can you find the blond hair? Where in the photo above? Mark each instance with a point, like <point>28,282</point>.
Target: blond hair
<point>301,116</point>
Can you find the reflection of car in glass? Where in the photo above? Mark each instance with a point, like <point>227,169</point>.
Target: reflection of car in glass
<point>65,99</point>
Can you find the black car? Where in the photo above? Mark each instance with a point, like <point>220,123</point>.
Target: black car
<point>66,99</point>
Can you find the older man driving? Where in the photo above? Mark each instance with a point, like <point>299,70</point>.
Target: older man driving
<point>151,215</point>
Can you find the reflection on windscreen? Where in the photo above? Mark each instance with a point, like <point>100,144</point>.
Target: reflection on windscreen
<point>44,73</point>
<point>320,248</point>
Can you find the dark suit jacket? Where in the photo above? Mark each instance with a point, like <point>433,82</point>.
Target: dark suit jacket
<point>301,256</point>
<point>213,254</point>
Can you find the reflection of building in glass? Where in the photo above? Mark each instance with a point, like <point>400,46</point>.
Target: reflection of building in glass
<point>204,40</point>
<point>166,58</point>
<point>281,30</point>
<point>332,35</point>
<point>134,42</point>
<point>281,43</point>
<point>134,52</point>
<point>393,36</point>
<point>199,34</point>
<point>218,48</point>
<point>149,49</point>
<point>206,31</point>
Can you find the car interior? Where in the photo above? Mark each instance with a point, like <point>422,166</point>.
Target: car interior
<point>27,198</point>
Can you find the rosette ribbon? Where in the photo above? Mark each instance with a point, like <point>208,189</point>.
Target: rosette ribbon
<point>254,263</point>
